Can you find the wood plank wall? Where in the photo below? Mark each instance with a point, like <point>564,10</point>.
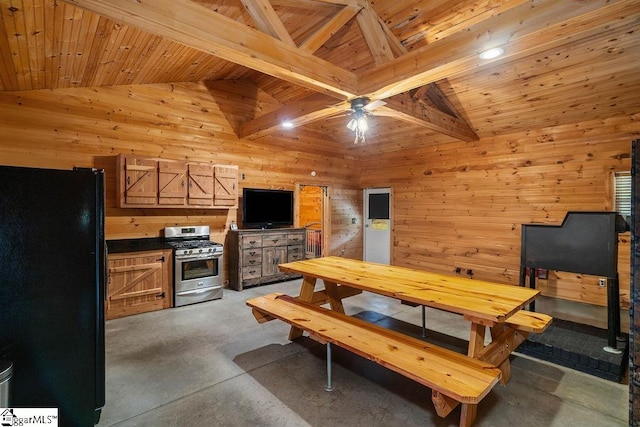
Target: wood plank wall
<point>460,205</point>
<point>63,128</point>
<point>456,204</point>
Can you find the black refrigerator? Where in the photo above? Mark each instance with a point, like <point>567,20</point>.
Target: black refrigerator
<point>52,289</point>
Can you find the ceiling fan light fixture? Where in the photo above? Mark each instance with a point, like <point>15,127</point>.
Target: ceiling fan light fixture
<point>287,124</point>
<point>362,124</point>
<point>358,122</point>
<point>492,53</point>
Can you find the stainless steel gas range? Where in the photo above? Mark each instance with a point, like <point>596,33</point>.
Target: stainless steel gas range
<point>198,264</point>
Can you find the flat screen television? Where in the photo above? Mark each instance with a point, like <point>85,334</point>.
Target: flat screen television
<point>262,208</point>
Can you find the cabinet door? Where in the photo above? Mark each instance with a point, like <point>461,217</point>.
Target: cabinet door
<point>140,184</point>
<point>172,183</point>
<point>138,283</point>
<point>271,257</point>
<point>200,185</point>
<point>225,185</point>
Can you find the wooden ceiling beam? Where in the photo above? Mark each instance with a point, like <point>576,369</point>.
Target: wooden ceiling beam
<point>201,28</point>
<point>267,20</point>
<point>374,36</point>
<point>396,45</point>
<point>313,108</point>
<point>320,37</point>
<point>435,95</point>
<point>408,109</point>
<point>522,31</point>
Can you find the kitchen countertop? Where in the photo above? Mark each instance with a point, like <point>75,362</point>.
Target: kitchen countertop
<point>137,245</point>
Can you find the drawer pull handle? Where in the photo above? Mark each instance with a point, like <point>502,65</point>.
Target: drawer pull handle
<point>253,261</point>
<point>253,242</point>
<point>252,253</point>
<point>275,240</point>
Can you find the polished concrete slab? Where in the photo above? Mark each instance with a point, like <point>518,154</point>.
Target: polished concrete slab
<point>212,364</point>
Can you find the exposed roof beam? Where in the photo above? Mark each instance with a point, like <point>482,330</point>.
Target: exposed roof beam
<point>381,40</point>
<point>404,107</point>
<point>374,36</point>
<point>313,108</point>
<point>315,4</point>
<point>397,48</point>
<point>524,30</point>
<point>320,37</point>
<point>267,20</point>
<point>437,98</point>
<point>201,28</point>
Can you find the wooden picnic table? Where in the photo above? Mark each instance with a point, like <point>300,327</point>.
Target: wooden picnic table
<point>454,378</point>
<point>483,304</point>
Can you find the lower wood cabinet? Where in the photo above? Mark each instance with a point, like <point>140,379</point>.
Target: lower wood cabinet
<point>139,282</point>
<point>254,255</point>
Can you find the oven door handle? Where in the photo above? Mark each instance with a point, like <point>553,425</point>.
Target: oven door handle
<point>198,257</point>
<point>198,291</point>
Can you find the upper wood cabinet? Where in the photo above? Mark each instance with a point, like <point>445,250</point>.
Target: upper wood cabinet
<point>200,185</point>
<point>139,181</point>
<point>144,182</point>
<point>225,185</point>
<point>172,183</point>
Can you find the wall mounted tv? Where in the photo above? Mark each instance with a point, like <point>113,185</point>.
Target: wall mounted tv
<point>262,208</point>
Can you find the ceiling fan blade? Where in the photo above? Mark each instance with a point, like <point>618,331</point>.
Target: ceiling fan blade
<point>375,104</point>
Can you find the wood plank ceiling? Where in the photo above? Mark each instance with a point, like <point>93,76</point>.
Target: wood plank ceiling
<point>565,61</point>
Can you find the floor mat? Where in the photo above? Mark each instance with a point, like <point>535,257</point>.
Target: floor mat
<point>579,347</point>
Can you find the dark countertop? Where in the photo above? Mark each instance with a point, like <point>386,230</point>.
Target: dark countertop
<point>136,245</point>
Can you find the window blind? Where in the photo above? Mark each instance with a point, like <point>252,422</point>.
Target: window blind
<point>622,191</point>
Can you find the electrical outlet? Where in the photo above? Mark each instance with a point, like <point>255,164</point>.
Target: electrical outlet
<point>602,282</point>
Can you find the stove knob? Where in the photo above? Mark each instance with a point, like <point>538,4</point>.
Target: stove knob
<point>200,251</point>
<point>210,250</point>
<point>189,251</point>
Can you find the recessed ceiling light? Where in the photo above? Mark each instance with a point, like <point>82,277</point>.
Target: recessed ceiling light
<point>287,124</point>
<point>491,53</point>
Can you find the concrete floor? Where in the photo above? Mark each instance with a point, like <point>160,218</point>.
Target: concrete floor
<point>212,364</point>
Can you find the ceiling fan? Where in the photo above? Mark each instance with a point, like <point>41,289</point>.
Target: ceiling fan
<point>360,109</point>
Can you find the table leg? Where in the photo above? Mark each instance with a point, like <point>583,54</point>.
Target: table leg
<point>335,301</point>
<point>505,366</point>
<point>476,344</point>
<point>306,294</point>
<point>476,339</point>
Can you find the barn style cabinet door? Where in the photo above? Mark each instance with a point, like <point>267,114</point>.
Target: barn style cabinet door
<point>225,185</point>
<point>200,185</point>
<point>138,282</point>
<point>138,181</point>
<point>144,182</point>
<point>172,183</point>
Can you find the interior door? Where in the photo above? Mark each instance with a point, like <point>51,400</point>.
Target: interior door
<point>377,225</point>
<point>314,215</point>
